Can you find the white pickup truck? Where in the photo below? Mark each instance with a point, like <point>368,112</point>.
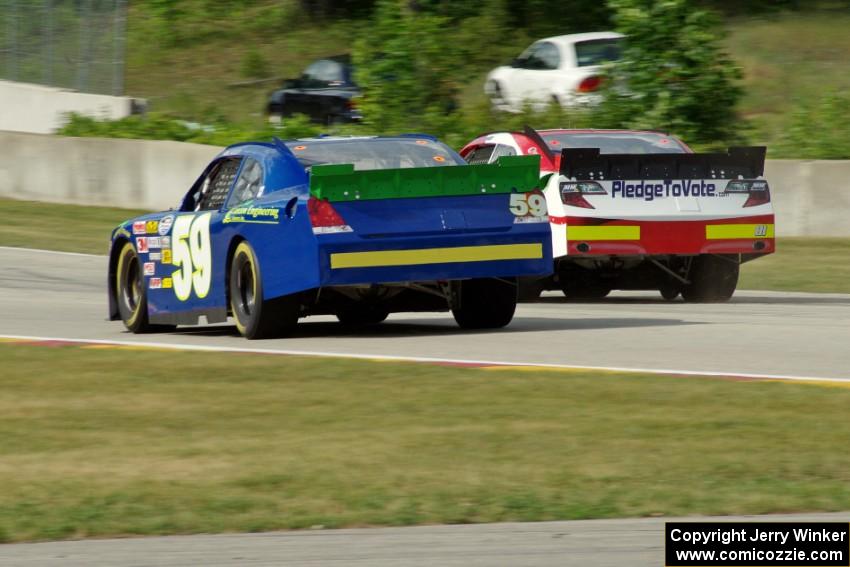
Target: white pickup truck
<point>562,70</point>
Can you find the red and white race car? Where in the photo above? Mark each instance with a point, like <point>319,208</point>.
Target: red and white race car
<point>640,210</point>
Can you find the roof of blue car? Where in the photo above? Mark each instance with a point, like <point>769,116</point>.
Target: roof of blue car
<point>325,138</point>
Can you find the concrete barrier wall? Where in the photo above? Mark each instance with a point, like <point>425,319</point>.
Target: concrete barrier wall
<point>39,109</point>
<point>144,174</point>
<point>811,198</point>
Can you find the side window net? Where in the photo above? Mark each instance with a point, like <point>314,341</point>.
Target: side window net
<point>480,155</point>
<point>215,187</point>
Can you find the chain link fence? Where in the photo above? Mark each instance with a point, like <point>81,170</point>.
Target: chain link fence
<point>75,44</point>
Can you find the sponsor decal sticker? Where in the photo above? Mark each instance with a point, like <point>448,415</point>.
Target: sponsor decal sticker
<point>252,215</point>
<point>149,268</point>
<point>165,224</point>
<point>166,242</point>
<point>166,255</point>
<point>154,256</point>
<point>166,283</point>
<point>156,283</point>
<point>151,226</point>
<point>139,227</point>
<point>154,242</point>
<point>142,245</point>
<point>651,190</point>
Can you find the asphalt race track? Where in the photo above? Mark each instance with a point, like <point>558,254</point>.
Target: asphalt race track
<point>793,335</point>
<point>589,543</point>
<point>45,294</point>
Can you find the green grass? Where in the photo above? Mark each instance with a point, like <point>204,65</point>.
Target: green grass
<point>786,59</point>
<point>802,264</point>
<point>196,80</point>
<point>68,228</point>
<point>158,442</point>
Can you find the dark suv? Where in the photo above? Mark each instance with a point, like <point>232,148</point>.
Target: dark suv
<point>325,92</point>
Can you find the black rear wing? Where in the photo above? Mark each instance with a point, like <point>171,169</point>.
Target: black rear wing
<point>589,164</point>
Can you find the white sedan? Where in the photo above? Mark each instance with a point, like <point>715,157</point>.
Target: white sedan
<point>562,70</point>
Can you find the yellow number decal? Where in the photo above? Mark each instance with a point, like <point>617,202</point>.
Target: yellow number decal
<point>191,254</point>
<point>199,244</point>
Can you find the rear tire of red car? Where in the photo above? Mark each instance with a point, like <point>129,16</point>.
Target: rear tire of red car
<point>131,293</point>
<point>486,303</point>
<point>669,292</point>
<point>255,317</point>
<point>713,279</point>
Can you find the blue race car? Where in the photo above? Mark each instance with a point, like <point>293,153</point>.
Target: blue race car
<point>352,227</point>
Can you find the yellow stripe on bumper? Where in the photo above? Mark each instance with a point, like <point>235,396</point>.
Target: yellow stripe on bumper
<point>384,258</point>
<point>726,231</point>
<point>582,232</point>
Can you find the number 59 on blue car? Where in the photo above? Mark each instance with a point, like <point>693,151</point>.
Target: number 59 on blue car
<point>352,227</point>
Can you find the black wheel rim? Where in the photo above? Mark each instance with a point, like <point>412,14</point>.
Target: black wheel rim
<point>245,285</point>
<point>132,288</point>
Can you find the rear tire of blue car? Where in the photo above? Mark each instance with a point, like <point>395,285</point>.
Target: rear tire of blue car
<point>486,303</point>
<point>131,294</point>
<point>255,317</point>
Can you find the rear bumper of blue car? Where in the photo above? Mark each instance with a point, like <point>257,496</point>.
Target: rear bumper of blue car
<point>346,259</point>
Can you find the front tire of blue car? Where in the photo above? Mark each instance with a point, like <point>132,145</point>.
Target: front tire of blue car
<point>131,294</point>
<point>255,317</point>
<point>486,303</point>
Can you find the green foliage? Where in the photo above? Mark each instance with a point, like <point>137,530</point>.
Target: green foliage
<point>411,79</point>
<point>673,75</point>
<point>544,17</point>
<point>747,7</point>
<point>335,9</point>
<point>819,129</point>
<point>254,65</point>
<point>161,127</point>
<point>405,69</point>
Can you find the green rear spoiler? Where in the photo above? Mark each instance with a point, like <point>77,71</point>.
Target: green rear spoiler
<point>340,182</point>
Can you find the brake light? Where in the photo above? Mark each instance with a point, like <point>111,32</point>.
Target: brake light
<point>758,191</point>
<point>324,217</point>
<point>573,192</point>
<point>589,84</point>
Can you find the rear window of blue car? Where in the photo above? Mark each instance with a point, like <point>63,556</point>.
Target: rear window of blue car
<point>375,153</point>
